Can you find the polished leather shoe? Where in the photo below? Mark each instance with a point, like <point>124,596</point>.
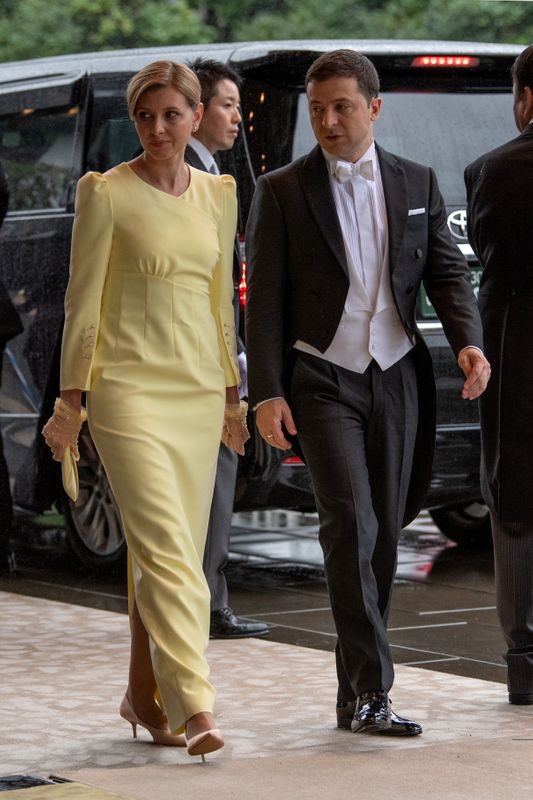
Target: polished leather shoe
<point>372,712</point>
<point>399,725</point>
<point>227,625</point>
<point>518,699</point>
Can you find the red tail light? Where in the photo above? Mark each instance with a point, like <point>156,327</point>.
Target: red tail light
<point>242,282</point>
<point>291,461</point>
<point>242,285</point>
<point>445,61</point>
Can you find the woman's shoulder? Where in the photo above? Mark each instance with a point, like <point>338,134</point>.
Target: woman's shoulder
<point>228,192</point>
<point>228,183</point>
<point>101,179</point>
<point>92,189</point>
<point>92,180</point>
<point>222,186</point>
<point>210,181</point>
<point>212,192</point>
<point>103,186</point>
<point>227,180</point>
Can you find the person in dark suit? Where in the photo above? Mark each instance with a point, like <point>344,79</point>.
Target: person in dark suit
<point>10,326</point>
<point>338,243</point>
<point>217,131</point>
<point>500,229</point>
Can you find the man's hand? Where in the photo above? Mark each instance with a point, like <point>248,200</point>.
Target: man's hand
<point>477,370</point>
<point>270,417</point>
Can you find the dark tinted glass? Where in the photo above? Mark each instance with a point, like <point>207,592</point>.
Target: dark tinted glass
<point>112,137</point>
<point>36,150</point>
<point>445,131</point>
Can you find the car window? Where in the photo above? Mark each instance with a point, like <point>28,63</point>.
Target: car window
<point>36,150</point>
<point>112,135</point>
<point>443,130</point>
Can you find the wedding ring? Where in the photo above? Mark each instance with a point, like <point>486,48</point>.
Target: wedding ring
<point>270,435</point>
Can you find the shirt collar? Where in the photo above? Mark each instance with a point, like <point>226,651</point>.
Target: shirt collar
<point>368,155</point>
<point>202,152</point>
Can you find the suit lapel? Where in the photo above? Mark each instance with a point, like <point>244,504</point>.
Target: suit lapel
<point>315,184</point>
<point>314,180</point>
<point>192,158</point>
<point>396,201</point>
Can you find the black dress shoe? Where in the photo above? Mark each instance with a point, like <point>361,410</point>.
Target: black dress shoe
<point>226,625</point>
<point>521,699</point>
<point>399,725</point>
<point>372,712</point>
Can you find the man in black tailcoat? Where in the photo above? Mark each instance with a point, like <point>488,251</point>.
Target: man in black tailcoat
<point>338,244</point>
<point>500,228</point>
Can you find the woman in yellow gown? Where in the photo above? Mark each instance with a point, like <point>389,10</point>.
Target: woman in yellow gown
<point>149,335</point>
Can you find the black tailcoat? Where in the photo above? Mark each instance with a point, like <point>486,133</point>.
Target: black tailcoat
<point>298,278</point>
<point>500,224</point>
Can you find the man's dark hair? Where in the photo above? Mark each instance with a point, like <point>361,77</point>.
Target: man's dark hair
<point>346,64</point>
<point>210,72</point>
<point>522,70</point>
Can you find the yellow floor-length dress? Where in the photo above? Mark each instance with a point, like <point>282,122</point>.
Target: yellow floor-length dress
<point>149,334</point>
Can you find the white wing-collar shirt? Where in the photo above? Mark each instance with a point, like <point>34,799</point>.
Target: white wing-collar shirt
<point>370,327</point>
<point>204,155</point>
<point>360,204</point>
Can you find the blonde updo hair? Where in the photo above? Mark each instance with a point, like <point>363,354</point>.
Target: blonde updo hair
<point>161,74</point>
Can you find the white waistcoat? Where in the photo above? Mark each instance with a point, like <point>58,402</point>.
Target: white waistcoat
<point>363,333</point>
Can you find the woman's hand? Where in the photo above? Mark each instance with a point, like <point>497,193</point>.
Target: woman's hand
<point>62,429</point>
<point>234,430</point>
<point>72,397</point>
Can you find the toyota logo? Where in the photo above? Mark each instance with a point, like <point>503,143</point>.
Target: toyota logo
<point>457,224</point>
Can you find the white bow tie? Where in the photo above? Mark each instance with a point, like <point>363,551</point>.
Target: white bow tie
<point>344,170</point>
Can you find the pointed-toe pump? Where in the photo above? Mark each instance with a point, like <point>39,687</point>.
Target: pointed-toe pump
<point>160,736</point>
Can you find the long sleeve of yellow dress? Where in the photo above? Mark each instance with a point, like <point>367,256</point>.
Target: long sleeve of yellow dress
<point>91,245</point>
<point>149,333</point>
<point>222,290</point>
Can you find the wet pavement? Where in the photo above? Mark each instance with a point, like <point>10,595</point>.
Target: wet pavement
<point>65,666</point>
<point>276,701</point>
<point>442,618</point>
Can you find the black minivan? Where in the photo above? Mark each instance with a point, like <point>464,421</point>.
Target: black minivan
<point>444,104</point>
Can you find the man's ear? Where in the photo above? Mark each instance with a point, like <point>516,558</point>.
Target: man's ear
<point>528,94</point>
<point>375,108</point>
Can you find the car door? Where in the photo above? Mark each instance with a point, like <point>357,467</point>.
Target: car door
<point>41,143</point>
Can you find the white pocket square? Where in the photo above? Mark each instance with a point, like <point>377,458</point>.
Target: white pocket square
<point>413,211</point>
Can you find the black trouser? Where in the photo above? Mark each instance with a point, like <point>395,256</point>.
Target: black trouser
<point>513,567</point>
<point>357,433</point>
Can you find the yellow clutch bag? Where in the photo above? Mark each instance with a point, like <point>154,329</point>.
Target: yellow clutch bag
<point>69,473</point>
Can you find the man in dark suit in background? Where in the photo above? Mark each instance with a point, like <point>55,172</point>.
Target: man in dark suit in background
<point>500,228</point>
<point>10,326</point>
<point>338,243</point>
<point>217,131</point>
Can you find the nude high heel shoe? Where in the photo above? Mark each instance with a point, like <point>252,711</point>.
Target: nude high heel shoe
<point>160,736</point>
<point>205,742</point>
